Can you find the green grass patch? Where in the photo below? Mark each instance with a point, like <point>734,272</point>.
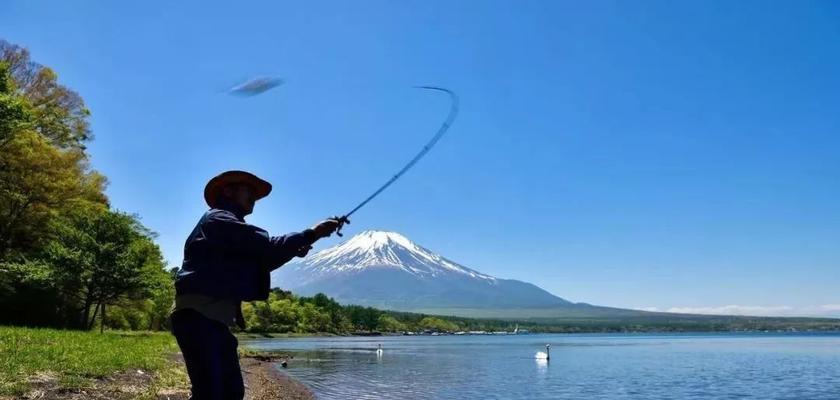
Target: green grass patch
<point>76,357</point>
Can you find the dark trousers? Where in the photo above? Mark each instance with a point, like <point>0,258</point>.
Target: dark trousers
<point>210,353</point>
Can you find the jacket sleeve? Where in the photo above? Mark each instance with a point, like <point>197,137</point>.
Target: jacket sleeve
<point>286,247</point>
<point>223,228</point>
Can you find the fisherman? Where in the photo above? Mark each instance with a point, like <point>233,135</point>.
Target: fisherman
<point>226,262</point>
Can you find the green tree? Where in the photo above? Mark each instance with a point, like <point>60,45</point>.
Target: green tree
<point>285,315</point>
<point>38,184</point>
<point>437,324</point>
<point>103,257</point>
<point>28,295</point>
<point>15,114</point>
<point>41,175</point>
<point>162,295</point>
<point>364,318</point>
<point>313,319</point>
<point>60,114</point>
<point>388,323</point>
<point>64,255</point>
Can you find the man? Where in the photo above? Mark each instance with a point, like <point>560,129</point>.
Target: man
<point>226,262</point>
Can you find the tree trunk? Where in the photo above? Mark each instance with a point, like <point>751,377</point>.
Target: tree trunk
<point>89,324</point>
<point>83,323</point>
<point>86,311</point>
<point>102,321</point>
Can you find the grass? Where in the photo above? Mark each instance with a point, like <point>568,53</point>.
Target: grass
<point>75,358</point>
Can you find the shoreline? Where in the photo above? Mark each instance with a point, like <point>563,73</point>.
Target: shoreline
<point>264,381</point>
<point>258,336</point>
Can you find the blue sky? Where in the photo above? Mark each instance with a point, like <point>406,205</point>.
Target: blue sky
<point>656,154</point>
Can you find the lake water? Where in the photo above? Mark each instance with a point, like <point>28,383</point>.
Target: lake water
<point>631,366</point>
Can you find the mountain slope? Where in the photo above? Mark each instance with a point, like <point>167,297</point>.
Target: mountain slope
<point>386,270</point>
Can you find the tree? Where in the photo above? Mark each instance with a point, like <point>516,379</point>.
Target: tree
<point>313,319</point>
<point>162,294</point>
<point>38,180</point>
<point>39,183</point>
<point>28,295</point>
<point>64,255</point>
<point>15,114</point>
<point>437,324</point>
<point>60,114</point>
<point>103,257</point>
<point>364,318</point>
<point>338,319</point>
<point>387,323</point>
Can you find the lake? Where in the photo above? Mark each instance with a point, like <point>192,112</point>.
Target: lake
<point>586,366</point>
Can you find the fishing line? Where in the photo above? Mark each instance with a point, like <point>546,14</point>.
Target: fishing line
<point>453,112</point>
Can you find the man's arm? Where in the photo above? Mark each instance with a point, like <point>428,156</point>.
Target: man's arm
<point>286,247</point>
<point>293,245</point>
<point>224,228</point>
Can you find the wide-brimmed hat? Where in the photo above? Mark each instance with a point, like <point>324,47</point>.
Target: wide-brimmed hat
<point>216,186</point>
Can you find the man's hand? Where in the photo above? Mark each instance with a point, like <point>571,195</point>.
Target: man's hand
<point>303,251</point>
<point>325,228</point>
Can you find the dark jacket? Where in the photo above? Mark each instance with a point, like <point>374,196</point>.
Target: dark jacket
<point>224,257</point>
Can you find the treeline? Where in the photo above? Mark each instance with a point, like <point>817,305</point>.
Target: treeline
<point>286,313</point>
<point>67,259</point>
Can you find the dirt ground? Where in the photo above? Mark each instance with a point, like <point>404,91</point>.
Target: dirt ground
<point>263,381</point>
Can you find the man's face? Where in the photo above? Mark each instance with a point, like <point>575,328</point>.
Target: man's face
<point>243,196</point>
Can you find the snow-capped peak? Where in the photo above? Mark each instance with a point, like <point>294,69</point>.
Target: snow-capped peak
<point>384,250</point>
<point>376,239</point>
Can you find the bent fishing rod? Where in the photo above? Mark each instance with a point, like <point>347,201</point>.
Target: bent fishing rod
<point>453,112</point>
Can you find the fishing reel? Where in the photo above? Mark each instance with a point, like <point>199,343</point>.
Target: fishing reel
<point>341,221</point>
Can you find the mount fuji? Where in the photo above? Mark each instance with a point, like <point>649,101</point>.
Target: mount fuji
<point>387,270</point>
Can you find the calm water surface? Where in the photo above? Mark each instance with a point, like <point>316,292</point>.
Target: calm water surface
<point>702,366</point>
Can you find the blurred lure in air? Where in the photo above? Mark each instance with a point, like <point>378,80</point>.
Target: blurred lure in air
<point>255,86</point>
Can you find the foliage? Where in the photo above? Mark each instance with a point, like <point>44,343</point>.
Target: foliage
<point>387,323</point>
<point>60,114</point>
<point>64,254</point>
<point>284,312</point>
<point>74,356</point>
<point>437,324</point>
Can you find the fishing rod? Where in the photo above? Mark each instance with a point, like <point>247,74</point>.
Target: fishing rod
<point>453,112</point>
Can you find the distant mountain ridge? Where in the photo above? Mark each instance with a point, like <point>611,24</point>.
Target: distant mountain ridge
<point>389,271</point>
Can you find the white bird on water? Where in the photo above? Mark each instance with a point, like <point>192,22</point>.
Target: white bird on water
<point>379,351</point>
<point>544,355</point>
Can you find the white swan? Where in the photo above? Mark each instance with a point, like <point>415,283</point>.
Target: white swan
<point>544,355</point>
<point>379,351</point>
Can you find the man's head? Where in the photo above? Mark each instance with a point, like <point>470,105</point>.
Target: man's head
<point>239,188</point>
<point>241,195</point>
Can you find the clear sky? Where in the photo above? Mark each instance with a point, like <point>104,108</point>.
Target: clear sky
<point>647,154</point>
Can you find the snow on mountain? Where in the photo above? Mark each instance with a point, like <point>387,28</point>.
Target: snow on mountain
<point>385,249</point>
<point>387,270</point>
